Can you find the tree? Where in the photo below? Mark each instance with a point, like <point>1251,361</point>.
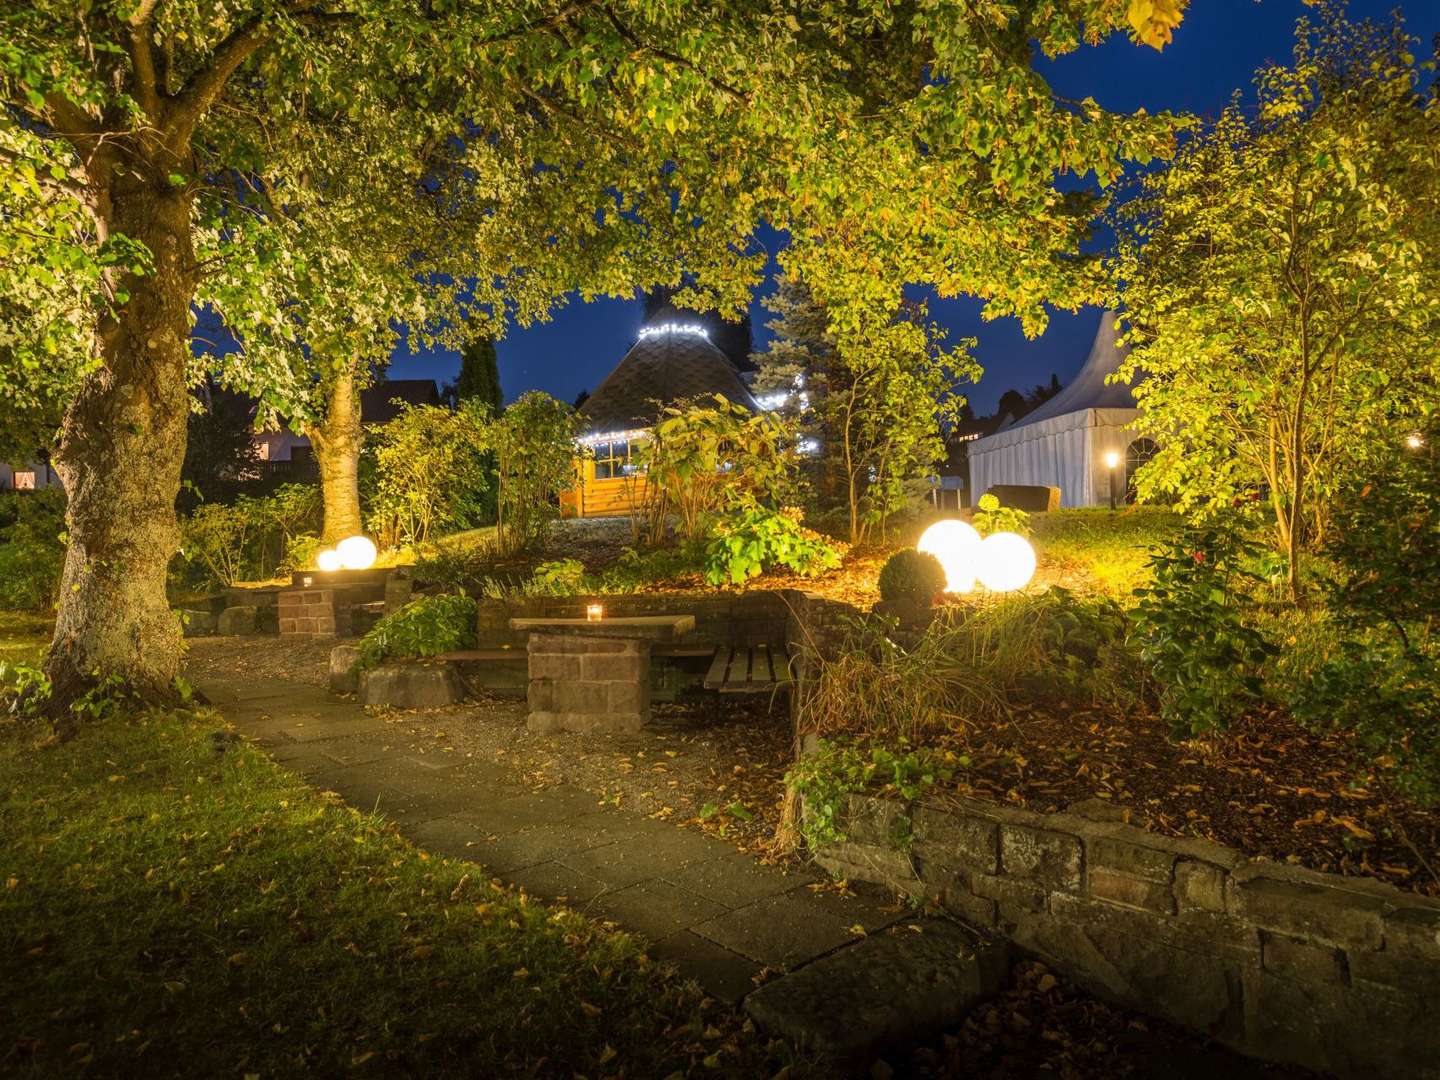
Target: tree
<point>873,398</point>
<point>433,471</point>
<point>479,378</point>
<point>164,145</point>
<point>1281,279</point>
<point>534,443</point>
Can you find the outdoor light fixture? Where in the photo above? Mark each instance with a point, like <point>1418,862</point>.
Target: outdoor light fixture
<point>1112,460</point>
<point>1005,562</point>
<point>956,545</point>
<point>356,553</point>
<point>1414,441</point>
<point>328,560</point>
<point>594,612</point>
<point>307,581</point>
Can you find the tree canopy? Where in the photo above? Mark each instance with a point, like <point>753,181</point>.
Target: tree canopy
<point>1281,279</point>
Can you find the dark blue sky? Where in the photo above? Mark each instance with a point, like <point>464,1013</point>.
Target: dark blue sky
<point>1216,50</point>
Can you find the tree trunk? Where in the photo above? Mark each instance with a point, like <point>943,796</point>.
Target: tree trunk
<point>121,447</point>
<point>337,441</point>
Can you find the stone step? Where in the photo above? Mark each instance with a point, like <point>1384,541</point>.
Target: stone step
<point>907,982</point>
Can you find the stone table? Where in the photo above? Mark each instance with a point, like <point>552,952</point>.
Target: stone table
<point>594,674</point>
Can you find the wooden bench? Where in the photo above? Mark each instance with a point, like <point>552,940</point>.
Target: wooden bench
<point>753,670</point>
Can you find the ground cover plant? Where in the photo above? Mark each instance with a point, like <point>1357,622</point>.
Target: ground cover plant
<point>269,930</point>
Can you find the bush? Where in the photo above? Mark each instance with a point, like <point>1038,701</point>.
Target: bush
<point>252,539</point>
<point>433,472</point>
<point>535,450</point>
<point>750,541</point>
<point>991,517</point>
<point>911,577</point>
<point>426,626</point>
<point>32,549</point>
<point>1189,628</point>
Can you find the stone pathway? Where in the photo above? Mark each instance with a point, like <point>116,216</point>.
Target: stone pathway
<point>715,913</point>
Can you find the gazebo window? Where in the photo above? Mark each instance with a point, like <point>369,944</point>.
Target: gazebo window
<point>612,460</point>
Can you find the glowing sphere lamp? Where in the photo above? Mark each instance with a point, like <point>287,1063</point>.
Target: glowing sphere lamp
<point>1005,562</point>
<point>328,560</point>
<point>956,545</point>
<point>356,553</point>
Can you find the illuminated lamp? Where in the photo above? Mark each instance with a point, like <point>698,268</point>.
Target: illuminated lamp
<point>356,553</point>
<point>956,545</point>
<point>328,560</point>
<point>1005,562</point>
<point>594,613</point>
<point>1414,441</point>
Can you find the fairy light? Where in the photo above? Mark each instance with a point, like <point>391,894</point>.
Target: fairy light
<point>684,329</point>
<point>613,436</point>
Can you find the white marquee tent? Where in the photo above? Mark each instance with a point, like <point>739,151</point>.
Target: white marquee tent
<point>1063,443</point>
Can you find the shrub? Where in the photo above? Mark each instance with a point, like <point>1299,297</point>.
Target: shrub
<point>700,461</point>
<point>253,538</point>
<point>635,569</point>
<point>991,517</point>
<point>534,445</point>
<point>1190,630</point>
<point>32,549</point>
<point>426,626</point>
<point>433,472</point>
<point>911,577</point>
<point>563,577</point>
<point>748,542</point>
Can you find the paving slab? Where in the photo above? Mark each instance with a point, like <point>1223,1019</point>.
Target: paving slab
<point>543,843</point>
<point>646,855</point>
<point>656,909</point>
<point>726,976</point>
<point>735,879</point>
<point>780,931</point>
<point>558,883</point>
<point>904,984</point>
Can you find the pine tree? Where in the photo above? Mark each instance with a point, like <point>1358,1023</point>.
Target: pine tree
<point>480,375</point>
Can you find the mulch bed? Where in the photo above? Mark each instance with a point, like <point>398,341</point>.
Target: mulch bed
<point>1266,787</point>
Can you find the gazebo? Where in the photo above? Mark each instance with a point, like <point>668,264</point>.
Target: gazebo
<point>672,360</point>
<point>1070,440</point>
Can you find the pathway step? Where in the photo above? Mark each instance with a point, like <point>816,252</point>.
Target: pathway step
<point>910,981</point>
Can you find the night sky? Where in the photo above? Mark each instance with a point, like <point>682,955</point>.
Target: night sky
<point>1216,50</point>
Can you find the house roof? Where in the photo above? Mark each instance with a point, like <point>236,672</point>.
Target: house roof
<point>1088,390</point>
<point>377,402</point>
<point>669,363</point>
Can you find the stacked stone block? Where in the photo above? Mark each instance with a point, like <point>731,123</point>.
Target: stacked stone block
<point>582,683</point>
<point>1337,974</point>
<point>310,613</point>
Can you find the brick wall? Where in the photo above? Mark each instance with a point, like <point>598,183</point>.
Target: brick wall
<point>580,683</point>
<point>311,613</point>
<point>1333,973</point>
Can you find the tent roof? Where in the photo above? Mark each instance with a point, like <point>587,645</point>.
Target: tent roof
<point>666,365</point>
<point>1089,390</point>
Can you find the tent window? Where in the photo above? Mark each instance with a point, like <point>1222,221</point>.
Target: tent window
<point>1136,454</point>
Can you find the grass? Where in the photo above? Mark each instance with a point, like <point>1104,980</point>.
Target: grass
<point>173,903</point>
<point>23,635</point>
<point>1107,550</point>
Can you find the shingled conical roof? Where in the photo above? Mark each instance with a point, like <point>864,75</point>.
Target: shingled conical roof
<point>672,361</point>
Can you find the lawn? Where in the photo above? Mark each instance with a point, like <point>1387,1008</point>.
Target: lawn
<point>22,636</point>
<point>173,902</point>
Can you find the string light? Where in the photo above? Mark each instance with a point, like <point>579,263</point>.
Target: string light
<point>613,436</point>
<point>690,329</point>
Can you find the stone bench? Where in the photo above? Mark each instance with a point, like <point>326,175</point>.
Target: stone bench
<point>594,674</point>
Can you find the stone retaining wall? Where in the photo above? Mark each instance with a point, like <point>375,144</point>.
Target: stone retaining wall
<point>1333,973</point>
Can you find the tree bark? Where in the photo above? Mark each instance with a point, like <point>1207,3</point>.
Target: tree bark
<point>337,441</point>
<point>122,445</point>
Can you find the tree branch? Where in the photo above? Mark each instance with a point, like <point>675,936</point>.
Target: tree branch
<point>201,90</point>
<point>675,58</point>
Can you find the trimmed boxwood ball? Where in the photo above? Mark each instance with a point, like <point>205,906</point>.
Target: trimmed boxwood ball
<point>911,576</point>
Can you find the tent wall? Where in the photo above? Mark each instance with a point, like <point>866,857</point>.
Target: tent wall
<point>1065,451</point>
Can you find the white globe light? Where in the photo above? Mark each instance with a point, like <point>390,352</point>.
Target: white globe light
<point>328,560</point>
<point>356,553</point>
<point>1006,562</point>
<point>957,547</point>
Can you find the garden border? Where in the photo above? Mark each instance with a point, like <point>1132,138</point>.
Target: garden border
<point>1339,974</point>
